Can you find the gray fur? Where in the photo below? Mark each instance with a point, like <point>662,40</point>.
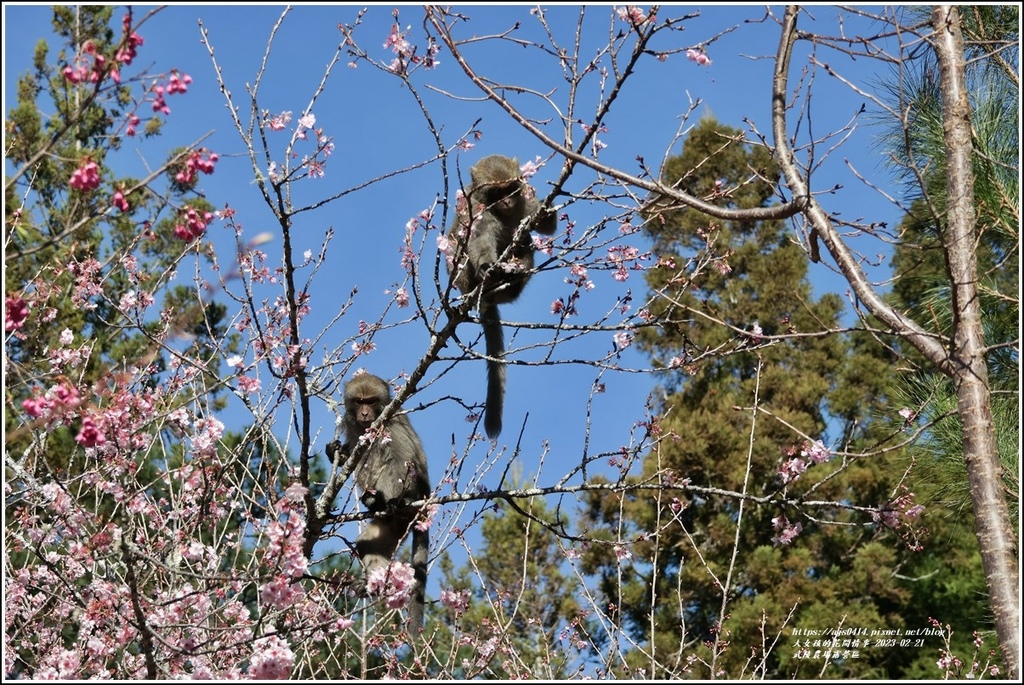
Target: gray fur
<point>391,475</point>
<point>484,230</point>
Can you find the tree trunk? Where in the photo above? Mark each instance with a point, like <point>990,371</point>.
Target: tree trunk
<point>965,362</point>
<point>969,369</point>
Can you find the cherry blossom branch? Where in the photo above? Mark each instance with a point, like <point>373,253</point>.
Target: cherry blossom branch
<point>573,157</point>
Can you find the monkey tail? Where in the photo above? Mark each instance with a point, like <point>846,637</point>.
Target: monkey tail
<point>494,340</point>
<point>420,552</point>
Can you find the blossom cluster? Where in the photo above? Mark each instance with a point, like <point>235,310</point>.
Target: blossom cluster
<point>120,201</point>
<point>457,601</point>
<point>313,164</point>
<point>15,313</point>
<point>133,121</point>
<point>286,540</point>
<point>901,515</point>
<point>578,278</point>
<point>625,258</point>
<point>633,15</point>
<point>272,659</point>
<point>191,223</point>
<point>176,83</point>
<point>411,226</point>
<point>699,56</point>
<point>129,49</point>
<point>405,52</point>
<point>86,177</point>
<point>91,65</point>
<point>813,452</point>
<point>52,405</point>
<point>786,532</point>
<point>81,73</point>
<point>196,162</point>
<point>394,583</point>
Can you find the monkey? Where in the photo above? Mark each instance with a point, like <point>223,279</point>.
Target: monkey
<point>487,227</point>
<point>391,474</point>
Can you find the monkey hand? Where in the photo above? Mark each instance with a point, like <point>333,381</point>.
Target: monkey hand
<point>497,274</point>
<point>545,221</point>
<point>545,213</point>
<point>399,505</point>
<point>373,501</point>
<point>402,506</point>
<point>485,271</point>
<point>333,449</point>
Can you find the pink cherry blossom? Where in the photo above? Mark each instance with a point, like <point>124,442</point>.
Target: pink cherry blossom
<point>698,56</point>
<point>15,313</point>
<point>394,583</point>
<point>90,434</point>
<point>272,659</point>
<point>396,41</point>
<point>816,452</point>
<point>915,511</point>
<point>456,601</point>
<point>64,396</point>
<point>120,202</point>
<point>178,83</point>
<point>86,177</point>
<point>787,531</point>
<point>279,122</point>
<point>530,168</point>
<point>128,51</point>
<point>194,164</point>
<point>35,406</point>
<point>75,74</point>
<point>191,224</point>
<point>250,386</point>
<point>424,523</point>
<point>208,432</point>
<point>159,103</point>
<point>631,14</point>
<point>792,469</point>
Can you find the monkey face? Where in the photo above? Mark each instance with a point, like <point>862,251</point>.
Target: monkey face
<point>503,199</point>
<point>364,409</point>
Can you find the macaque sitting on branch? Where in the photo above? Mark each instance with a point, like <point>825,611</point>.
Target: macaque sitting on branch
<point>391,473</point>
<point>493,248</point>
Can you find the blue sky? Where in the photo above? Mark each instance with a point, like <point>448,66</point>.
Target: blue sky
<point>377,128</point>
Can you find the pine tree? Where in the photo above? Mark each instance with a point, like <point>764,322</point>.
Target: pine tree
<point>840,570</point>
<point>952,581</point>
